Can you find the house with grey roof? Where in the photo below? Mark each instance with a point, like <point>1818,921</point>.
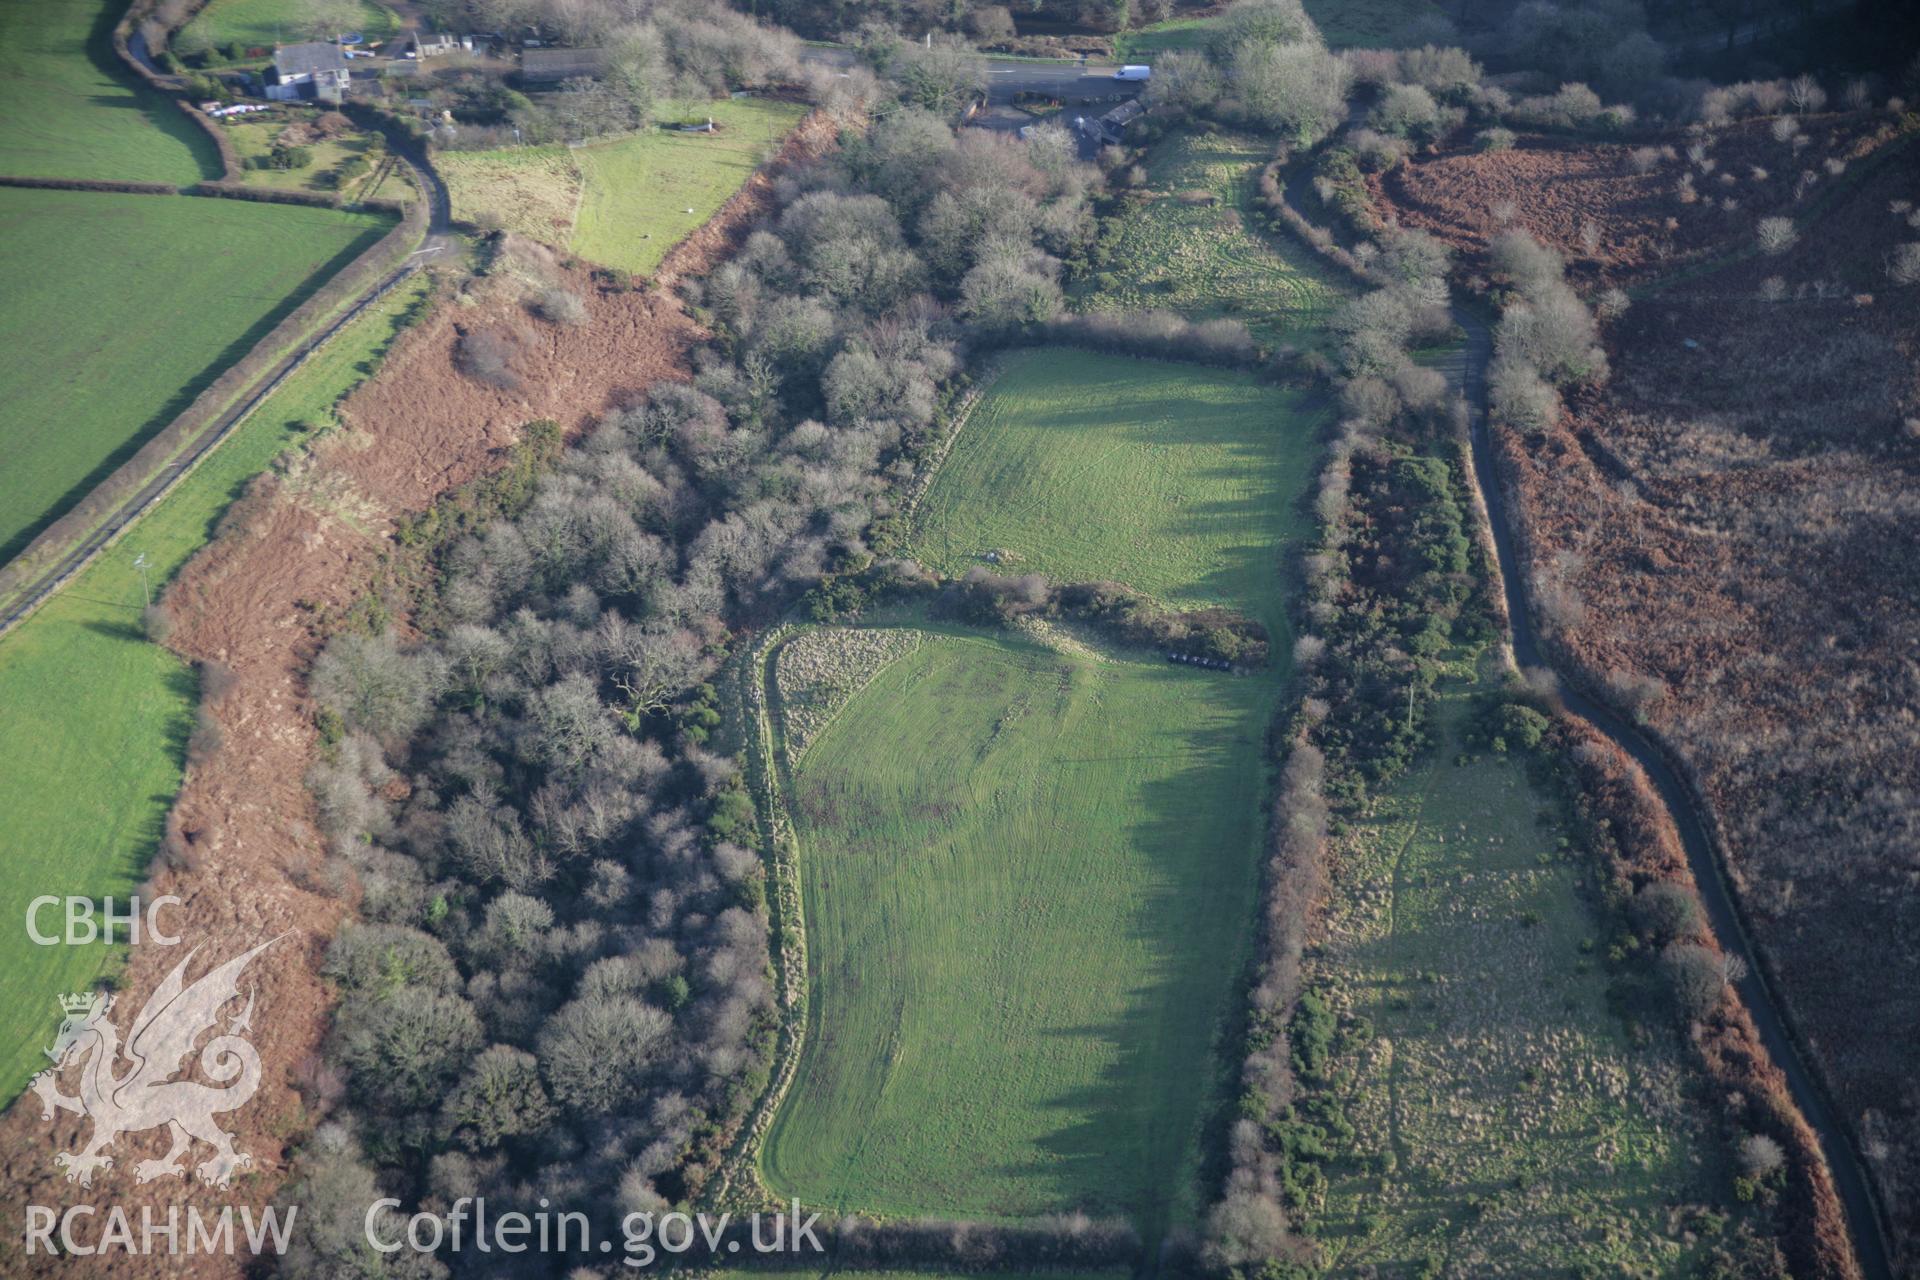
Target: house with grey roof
<point>315,72</point>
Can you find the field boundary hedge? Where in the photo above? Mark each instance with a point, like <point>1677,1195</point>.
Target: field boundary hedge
<point>282,195</point>
<point>754,711</point>
<point>936,457</point>
<point>117,502</point>
<point>92,184</point>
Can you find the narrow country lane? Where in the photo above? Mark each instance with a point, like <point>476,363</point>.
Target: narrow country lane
<point>1466,371</point>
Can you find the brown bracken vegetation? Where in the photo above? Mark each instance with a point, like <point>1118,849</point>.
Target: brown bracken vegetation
<point>1725,533</point>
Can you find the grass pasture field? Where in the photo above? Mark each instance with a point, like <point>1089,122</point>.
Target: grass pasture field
<point>192,283</point>
<point>68,109</point>
<point>264,23</point>
<point>1029,882</point>
<point>1029,867</point>
<point>625,202</point>
<point>1351,24</point>
<point>1502,1114</point>
<point>1144,44</point>
<point>648,192</point>
<point>1174,479</point>
<point>1344,24</point>
<point>96,717</point>
<point>1190,243</point>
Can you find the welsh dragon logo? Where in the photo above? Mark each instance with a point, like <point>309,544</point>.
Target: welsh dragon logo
<point>145,1095</point>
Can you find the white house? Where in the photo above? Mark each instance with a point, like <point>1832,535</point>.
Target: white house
<point>429,44</point>
<point>315,71</point>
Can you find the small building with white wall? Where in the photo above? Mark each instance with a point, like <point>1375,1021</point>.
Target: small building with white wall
<point>315,71</point>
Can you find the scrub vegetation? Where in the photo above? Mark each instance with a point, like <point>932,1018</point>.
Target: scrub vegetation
<point>99,715</point>
<point>1187,239</point>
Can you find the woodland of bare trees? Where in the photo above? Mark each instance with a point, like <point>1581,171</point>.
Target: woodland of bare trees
<point>559,984</point>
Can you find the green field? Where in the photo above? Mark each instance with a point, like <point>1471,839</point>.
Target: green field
<point>1028,869</point>
<point>69,109</point>
<point>1176,480</point>
<point>96,717</point>
<point>120,309</point>
<point>1501,1112</point>
<point>1344,24</point>
<point>1144,44</point>
<point>1191,243</point>
<point>625,202</point>
<point>263,23</point>
<point>1029,883</point>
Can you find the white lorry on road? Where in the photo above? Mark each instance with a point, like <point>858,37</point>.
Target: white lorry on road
<point>1133,73</point>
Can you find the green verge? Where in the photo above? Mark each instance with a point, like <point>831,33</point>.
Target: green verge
<point>69,109</point>
<point>1029,881</point>
<point>96,718</point>
<point>122,308</point>
<point>1189,242</point>
<point>1501,1111</point>
<point>1174,479</point>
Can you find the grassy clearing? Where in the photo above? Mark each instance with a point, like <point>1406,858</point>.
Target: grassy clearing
<point>68,109</point>
<point>262,23</point>
<point>1345,24</point>
<point>1503,1118</point>
<point>1189,243</point>
<point>120,309</point>
<point>1173,35</point>
<point>1176,480</point>
<point>96,717</point>
<point>532,190</point>
<point>626,202</point>
<point>648,192</point>
<point>1029,881</point>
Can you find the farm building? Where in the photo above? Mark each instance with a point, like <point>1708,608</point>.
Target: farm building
<point>313,71</point>
<point>1113,125</point>
<point>429,44</point>
<point>550,66</point>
